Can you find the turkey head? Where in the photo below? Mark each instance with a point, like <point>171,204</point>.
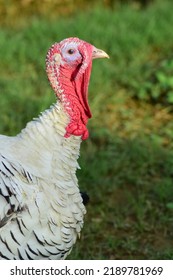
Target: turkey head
<point>68,66</point>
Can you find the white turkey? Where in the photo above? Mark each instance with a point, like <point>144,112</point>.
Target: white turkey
<point>41,207</point>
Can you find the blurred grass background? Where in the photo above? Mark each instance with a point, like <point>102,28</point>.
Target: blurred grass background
<point>127,163</point>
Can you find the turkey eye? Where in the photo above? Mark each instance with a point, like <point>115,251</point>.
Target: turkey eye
<point>71,51</point>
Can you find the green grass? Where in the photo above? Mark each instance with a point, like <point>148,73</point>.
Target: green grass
<point>130,185</point>
<point>127,163</point>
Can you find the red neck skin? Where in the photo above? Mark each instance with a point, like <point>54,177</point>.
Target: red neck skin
<point>73,94</point>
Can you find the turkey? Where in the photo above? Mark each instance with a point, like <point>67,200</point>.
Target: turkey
<point>41,207</point>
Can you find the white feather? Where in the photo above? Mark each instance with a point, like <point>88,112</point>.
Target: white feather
<point>41,210</point>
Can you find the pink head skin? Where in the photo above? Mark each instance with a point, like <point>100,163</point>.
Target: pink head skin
<point>68,66</point>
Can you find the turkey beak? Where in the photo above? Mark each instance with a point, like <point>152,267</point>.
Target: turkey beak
<point>99,54</point>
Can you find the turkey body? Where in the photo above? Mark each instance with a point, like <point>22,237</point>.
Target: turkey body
<point>41,208</point>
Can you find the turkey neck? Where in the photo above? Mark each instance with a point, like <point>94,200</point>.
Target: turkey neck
<point>43,145</point>
<point>73,95</point>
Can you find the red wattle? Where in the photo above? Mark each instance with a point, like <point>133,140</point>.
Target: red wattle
<point>75,101</point>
